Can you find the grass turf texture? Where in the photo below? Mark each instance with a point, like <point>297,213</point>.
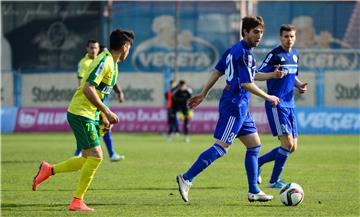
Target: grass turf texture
<point>327,167</point>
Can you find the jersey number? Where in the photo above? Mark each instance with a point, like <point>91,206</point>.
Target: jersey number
<point>229,72</point>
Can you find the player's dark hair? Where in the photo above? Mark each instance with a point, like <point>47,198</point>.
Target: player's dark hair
<point>287,28</point>
<point>119,37</point>
<point>92,41</point>
<point>251,22</point>
<point>182,82</point>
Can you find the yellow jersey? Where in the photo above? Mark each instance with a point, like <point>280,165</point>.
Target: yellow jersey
<point>102,73</point>
<point>84,65</point>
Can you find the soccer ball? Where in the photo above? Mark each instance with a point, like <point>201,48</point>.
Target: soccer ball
<point>291,194</point>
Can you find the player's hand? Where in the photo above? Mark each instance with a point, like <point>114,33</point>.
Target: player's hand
<point>195,101</point>
<point>273,99</point>
<point>302,88</point>
<point>112,117</point>
<point>121,97</point>
<point>107,128</point>
<point>278,73</point>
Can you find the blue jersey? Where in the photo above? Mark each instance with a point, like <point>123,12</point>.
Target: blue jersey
<point>284,87</point>
<point>238,65</point>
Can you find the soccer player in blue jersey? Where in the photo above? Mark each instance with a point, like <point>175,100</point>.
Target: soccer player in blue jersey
<point>238,65</point>
<point>282,118</point>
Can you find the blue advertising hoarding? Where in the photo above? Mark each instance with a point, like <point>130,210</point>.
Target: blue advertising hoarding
<point>8,119</point>
<point>326,120</point>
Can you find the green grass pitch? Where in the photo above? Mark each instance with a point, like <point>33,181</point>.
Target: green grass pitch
<point>327,167</point>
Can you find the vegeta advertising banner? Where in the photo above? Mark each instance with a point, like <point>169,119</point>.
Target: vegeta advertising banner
<point>197,44</point>
<point>207,29</point>
<point>328,120</point>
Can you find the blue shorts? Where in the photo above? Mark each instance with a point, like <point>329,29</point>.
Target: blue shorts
<point>282,121</point>
<point>229,127</point>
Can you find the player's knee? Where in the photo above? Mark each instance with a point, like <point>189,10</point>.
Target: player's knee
<point>293,148</point>
<point>288,145</point>
<point>223,144</point>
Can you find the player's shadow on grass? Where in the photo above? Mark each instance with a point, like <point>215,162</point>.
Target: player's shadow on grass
<point>36,207</point>
<point>117,189</point>
<point>153,189</point>
<point>18,161</point>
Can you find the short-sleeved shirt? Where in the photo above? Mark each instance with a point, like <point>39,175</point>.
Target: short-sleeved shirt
<point>84,65</point>
<point>238,65</point>
<point>103,73</point>
<point>284,87</point>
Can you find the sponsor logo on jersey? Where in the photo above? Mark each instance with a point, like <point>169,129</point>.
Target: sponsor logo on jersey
<point>295,58</point>
<point>268,58</point>
<point>250,60</point>
<point>107,90</point>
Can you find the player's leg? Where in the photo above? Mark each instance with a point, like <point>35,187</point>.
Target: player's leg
<point>88,139</point>
<point>46,170</point>
<point>272,115</point>
<point>288,140</point>
<point>172,124</point>
<point>113,156</point>
<point>249,137</point>
<point>225,133</point>
<point>186,125</point>
<point>87,173</point>
<point>77,152</point>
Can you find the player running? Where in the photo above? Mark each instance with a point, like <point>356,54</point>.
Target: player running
<point>83,116</point>
<point>93,48</point>
<point>238,65</point>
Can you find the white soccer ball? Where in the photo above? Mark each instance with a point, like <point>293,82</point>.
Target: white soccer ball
<point>291,194</point>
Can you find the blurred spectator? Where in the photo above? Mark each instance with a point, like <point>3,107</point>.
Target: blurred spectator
<point>181,97</point>
<point>171,112</point>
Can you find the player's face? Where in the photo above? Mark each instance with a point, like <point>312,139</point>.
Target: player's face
<point>125,51</point>
<point>93,50</point>
<point>254,36</point>
<point>287,39</point>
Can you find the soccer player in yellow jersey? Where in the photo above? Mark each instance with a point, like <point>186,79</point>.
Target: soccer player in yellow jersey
<point>93,48</point>
<point>83,116</point>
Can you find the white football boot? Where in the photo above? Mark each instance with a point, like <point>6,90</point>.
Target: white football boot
<point>261,197</point>
<point>184,187</point>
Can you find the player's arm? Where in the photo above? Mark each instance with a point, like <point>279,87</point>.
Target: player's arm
<point>302,87</point>
<point>196,100</point>
<point>269,69</point>
<point>80,73</point>
<point>106,122</point>
<point>261,76</point>
<point>254,89</point>
<point>120,93</point>
<point>90,93</point>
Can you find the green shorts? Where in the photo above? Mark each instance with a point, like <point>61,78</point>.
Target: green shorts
<point>86,131</point>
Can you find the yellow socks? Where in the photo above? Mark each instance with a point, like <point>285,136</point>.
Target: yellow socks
<point>86,175</point>
<point>70,165</point>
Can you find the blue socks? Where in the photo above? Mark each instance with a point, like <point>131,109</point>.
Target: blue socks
<point>270,156</point>
<point>77,152</point>
<point>280,160</point>
<point>251,165</point>
<point>204,160</point>
<point>108,142</point>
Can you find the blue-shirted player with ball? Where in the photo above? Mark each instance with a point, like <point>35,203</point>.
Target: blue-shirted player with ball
<point>282,118</point>
<point>238,65</point>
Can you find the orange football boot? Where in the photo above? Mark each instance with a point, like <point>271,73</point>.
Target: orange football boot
<point>44,173</point>
<point>79,205</point>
